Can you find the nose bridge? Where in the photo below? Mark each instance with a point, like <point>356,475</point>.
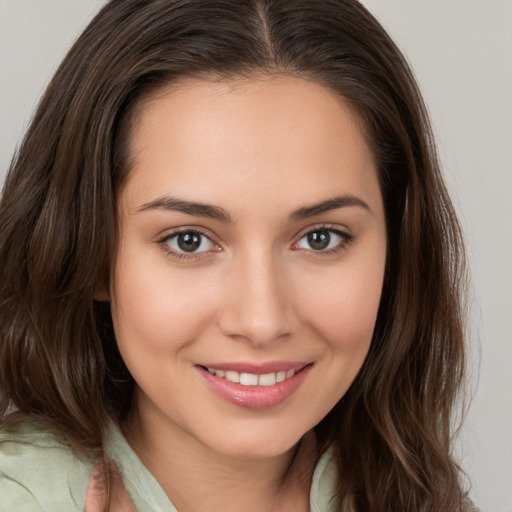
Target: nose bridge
<point>258,306</point>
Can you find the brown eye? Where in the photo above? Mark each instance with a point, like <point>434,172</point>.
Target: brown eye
<point>319,240</point>
<point>189,242</point>
<point>322,240</point>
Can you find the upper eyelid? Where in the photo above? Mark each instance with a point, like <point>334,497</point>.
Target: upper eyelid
<point>183,255</point>
<point>169,233</point>
<point>342,230</point>
<point>346,238</point>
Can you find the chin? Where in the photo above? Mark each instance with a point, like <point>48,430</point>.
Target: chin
<point>258,442</point>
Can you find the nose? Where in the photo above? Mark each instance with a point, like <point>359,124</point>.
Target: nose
<point>258,304</point>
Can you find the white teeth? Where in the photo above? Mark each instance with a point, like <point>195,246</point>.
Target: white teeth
<point>251,379</point>
<point>232,376</point>
<point>268,379</point>
<point>280,376</point>
<point>248,379</point>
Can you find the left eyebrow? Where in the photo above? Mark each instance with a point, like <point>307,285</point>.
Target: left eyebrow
<point>325,206</point>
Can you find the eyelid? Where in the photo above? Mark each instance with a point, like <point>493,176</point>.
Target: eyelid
<point>344,233</point>
<point>169,234</point>
<point>342,230</point>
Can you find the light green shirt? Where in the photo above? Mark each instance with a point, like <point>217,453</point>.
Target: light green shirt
<point>38,473</point>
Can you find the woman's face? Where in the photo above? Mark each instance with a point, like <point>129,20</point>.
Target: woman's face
<point>250,263</point>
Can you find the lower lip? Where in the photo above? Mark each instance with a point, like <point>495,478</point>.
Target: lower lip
<point>255,397</point>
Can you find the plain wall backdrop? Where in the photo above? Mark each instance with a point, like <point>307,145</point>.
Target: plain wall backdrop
<point>461,52</point>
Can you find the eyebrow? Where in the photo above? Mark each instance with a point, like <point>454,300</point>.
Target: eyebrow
<point>218,213</point>
<point>325,206</point>
<point>188,207</point>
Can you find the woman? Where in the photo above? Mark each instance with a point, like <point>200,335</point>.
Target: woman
<point>232,271</point>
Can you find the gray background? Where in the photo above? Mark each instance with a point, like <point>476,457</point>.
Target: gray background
<point>461,51</point>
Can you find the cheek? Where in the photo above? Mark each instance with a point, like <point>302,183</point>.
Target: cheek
<point>155,310</point>
<point>342,306</point>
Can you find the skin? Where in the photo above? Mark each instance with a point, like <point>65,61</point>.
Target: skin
<point>256,291</point>
<point>96,496</point>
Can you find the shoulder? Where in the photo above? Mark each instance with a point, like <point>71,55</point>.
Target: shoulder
<point>39,472</point>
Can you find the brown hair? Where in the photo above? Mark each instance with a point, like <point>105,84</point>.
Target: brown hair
<point>392,431</point>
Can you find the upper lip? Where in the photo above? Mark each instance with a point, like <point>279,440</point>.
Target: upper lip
<point>258,369</point>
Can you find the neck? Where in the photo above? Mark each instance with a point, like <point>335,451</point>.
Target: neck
<point>193,475</point>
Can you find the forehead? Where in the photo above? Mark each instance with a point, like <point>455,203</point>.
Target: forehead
<point>285,136</point>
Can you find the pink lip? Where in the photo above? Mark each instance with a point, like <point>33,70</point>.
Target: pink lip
<point>255,397</point>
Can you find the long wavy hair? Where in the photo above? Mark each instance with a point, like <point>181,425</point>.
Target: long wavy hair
<point>392,431</point>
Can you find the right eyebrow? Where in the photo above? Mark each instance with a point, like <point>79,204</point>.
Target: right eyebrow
<point>188,207</point>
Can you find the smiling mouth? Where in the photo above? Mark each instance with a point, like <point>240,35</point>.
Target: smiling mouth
<point>252,379</point>
<point>255,387</point>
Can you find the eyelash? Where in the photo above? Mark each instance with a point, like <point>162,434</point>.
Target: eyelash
<point>345,240</point>
<point>164,244</point>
